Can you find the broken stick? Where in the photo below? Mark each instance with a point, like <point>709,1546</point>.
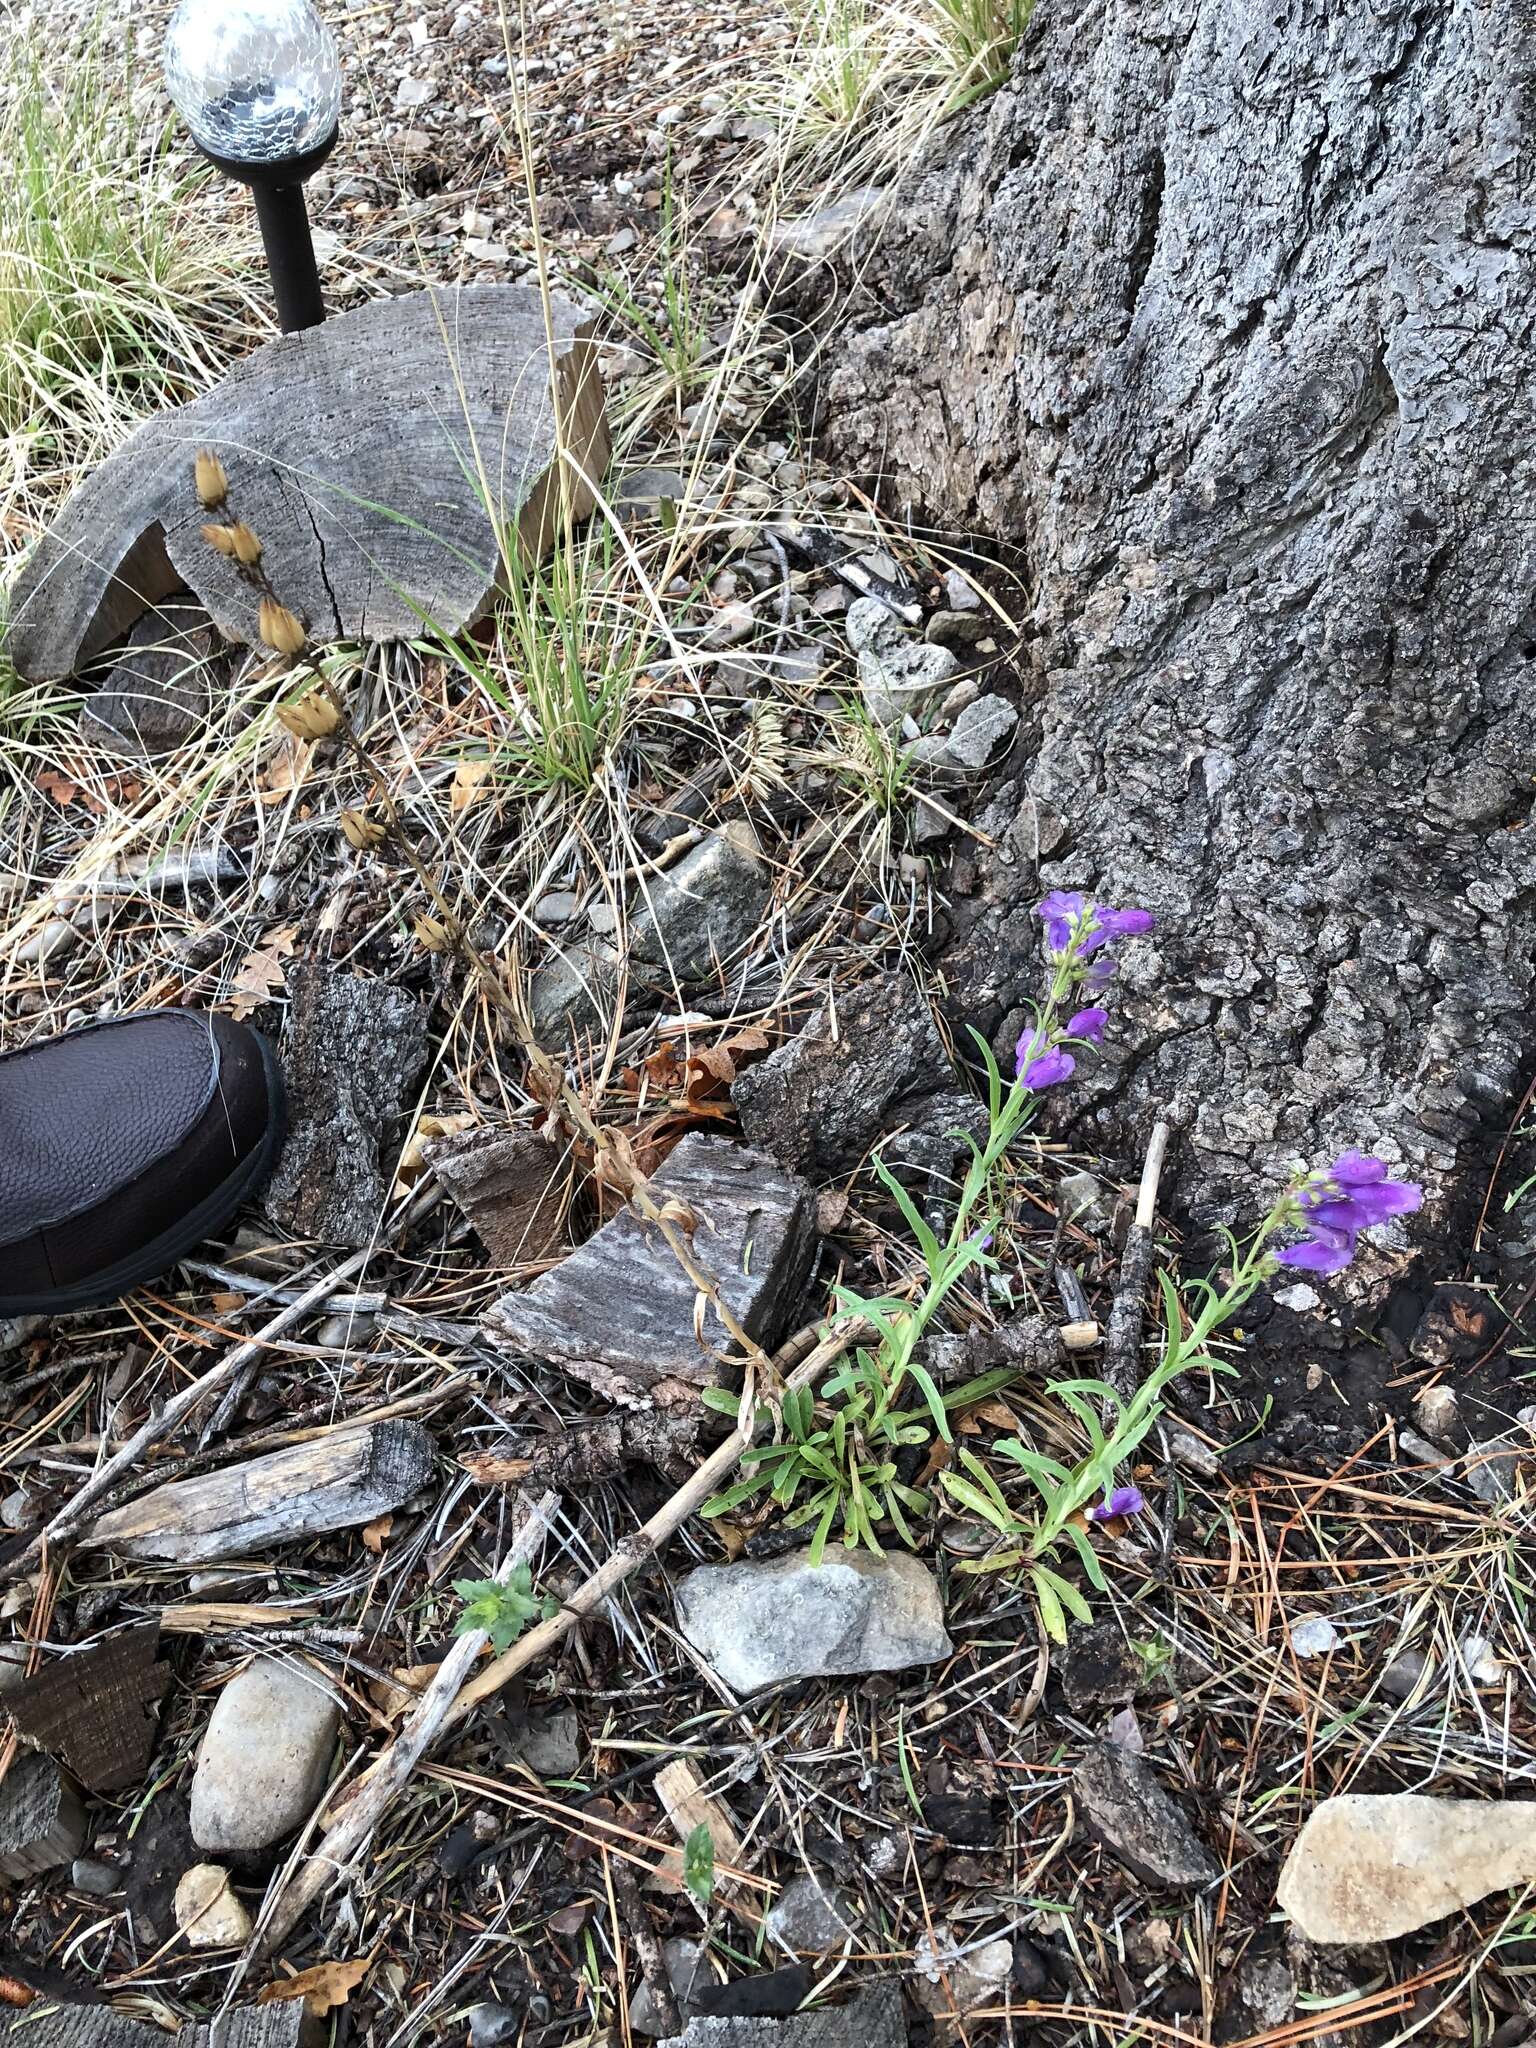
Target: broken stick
<point>1122,1343</point>
<point>391,1772</point>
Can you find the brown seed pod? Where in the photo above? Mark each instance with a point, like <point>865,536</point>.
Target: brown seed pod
<point>313,717</point>
<point>433,934</point>
<point>244,545</point>
<point>279,629</point>
<point>360,831</point>
<point>220,538</point>
<point>208,475</point>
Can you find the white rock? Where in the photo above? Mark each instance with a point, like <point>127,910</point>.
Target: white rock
<point>1313,1636</point>
<point>758,1624</point>
<point>952,1977</point>
<point>1298,1296</point>
<point>1370,1866</point>
<point>414,92</point>
<point>1479,1661</point>
<point>897,673</point>
<point>1437,1413</point>
<point>264,1758</point>
<point>207,1911</point>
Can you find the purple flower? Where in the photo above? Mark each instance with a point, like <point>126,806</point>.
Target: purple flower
<point>1313,1256</point>
<point>1045,1069</point>
<point>1060,912</point>
<point>1120,1500</point>
<point>1073,923</point>
<point>1340,1201</point>
<point>1114,924</point>
<point>1088,1024</point>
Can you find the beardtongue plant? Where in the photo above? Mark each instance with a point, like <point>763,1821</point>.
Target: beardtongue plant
<point>834,1464</point>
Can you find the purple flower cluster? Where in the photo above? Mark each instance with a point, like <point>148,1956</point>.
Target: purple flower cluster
<point>1338,1202</point>
<point>1076,926</point>
<point>1078,933</point>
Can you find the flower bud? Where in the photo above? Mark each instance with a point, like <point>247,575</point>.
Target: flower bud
<point>278,627</point>
<point>208,475</point>
<point>360,831</point>
<point>220,538</point>
<point>244,545</point>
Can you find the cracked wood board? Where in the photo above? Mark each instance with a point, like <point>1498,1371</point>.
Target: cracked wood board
<point>362,452</point>
<point>620,1310</point>
<point>43,2024</point>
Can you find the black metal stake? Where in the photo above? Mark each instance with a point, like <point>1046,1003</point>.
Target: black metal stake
<point>284,222</point>
<point>278,190</point>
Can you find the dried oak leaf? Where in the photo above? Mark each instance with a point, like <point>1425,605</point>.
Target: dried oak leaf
<point>325,1986</point>
<point>261,974</point>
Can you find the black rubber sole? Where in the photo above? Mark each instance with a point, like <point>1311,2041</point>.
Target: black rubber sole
<point>205,1221</point>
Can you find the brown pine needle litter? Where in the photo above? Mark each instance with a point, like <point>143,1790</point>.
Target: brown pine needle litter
<point>424,814</point>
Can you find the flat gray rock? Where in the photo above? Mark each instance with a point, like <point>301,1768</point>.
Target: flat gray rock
<point>159,690</point>
<point>759,1624</point>
<point>264,1758</point>
<point>356,450</point>
<point>688,1973</point>
<point>1124,1804</point>
<point>620,1309</point>
<point>874,2019</point>
<point>809,1918</point>
<point>352,1052</point>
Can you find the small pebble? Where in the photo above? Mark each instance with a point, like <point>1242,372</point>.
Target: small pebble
<point>961,594</point>
<point>492,2025</point>
<point>1313,1636</point>
<point>96,1880</point>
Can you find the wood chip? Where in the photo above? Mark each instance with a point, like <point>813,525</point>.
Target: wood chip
<point>688,1806</point>
<point>42,1823</point>
<point>92,1712</point>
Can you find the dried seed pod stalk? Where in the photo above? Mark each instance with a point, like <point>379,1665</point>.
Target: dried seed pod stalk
<point>313,717</point>
<point>434,934</point>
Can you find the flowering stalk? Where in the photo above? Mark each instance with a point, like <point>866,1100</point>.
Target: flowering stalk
<point>322,712</point>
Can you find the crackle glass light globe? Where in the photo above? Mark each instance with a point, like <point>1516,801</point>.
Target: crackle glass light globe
<point>256,81</point>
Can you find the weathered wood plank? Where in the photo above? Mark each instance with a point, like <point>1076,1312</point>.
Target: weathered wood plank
<point>42,1823</point>
<point>44,2024</point>
<point>336,1482</point>
<point>264,2026</point>
<point>376,456</point>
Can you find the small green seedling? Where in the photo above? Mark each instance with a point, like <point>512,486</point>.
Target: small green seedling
<point>502,1608</point>
<point>699,1864</point>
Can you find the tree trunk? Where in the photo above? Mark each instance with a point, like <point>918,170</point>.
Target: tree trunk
<point>1222,310</point>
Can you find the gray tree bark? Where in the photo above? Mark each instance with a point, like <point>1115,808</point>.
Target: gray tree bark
<point>1223,310</point>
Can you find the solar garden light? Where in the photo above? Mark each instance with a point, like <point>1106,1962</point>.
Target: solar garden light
<point>258,82</point>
